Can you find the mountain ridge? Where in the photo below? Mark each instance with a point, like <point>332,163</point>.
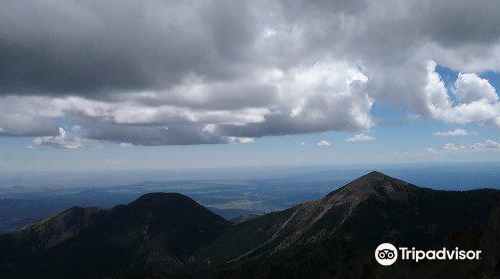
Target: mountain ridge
<point>168,235</point>
<point>303,217</point>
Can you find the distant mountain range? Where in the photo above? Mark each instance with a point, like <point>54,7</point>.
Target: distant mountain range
<point>171,236</point>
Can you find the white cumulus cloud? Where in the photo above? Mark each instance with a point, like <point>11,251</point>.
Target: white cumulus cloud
<point>470,87</point>
<point>63,140</point>
<point>477,99</point>
<point>324,143</point>
<point>241,140</point>
<point>360,137</point>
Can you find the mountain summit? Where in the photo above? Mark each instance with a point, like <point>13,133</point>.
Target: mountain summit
<point>171,236</point>
<point>158,231</point>
<point>373,183</point>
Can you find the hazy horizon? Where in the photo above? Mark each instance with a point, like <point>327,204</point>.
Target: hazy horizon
<point>414,171</point>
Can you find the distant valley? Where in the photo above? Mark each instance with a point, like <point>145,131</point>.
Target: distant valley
<point>30,197</point>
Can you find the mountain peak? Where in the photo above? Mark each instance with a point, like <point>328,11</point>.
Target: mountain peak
<point>375,178</point>
<point>156,201</point>
<point>373,183</point>
<point>159,197</point>
<point>376,174</point>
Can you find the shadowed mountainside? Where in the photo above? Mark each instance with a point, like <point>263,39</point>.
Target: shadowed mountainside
<point>171,236</point>
<point>157,230</point>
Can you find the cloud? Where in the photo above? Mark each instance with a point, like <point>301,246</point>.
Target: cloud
<point>485,146</point>
<point>241,140</point>
<point>360,137</point>
<point>452,133</point>
<point>412,117</point>
<point>470,88</point>
<point>324,143</point>
<point>320,98</point>
<point>451,147</point>
<point>428,151</point>
<point>131,44</point>
<point>125,71</point>
<point>125,144</point>
<point>63,140</point>
<point>488,144</point>
<point>478,101</point>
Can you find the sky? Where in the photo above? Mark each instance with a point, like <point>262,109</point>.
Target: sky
<point>126,85</point>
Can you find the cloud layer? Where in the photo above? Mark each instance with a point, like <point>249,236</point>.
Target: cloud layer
<point>170,72</point>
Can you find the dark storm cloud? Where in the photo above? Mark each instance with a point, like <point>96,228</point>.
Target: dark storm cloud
<point>464,22</point>
<point>97,47</point>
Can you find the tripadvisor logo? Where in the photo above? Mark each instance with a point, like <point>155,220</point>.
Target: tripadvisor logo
<point>387,254</point>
